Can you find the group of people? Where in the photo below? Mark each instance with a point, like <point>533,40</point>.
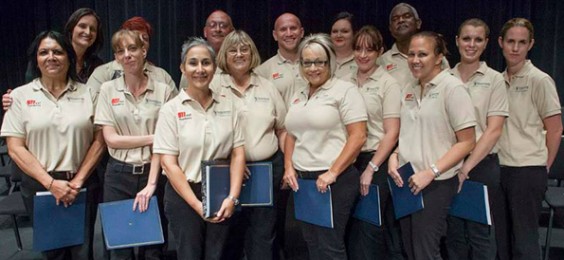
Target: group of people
<point>334,108</point>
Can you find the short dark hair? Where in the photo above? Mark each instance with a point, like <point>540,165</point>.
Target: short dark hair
<point>63,42</point>
<point>347,16</point>
<point>371,35</point>
<point>73,21</point>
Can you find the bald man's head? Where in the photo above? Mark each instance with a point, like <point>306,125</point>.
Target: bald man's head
<point>218,25</point>
<point>288,32</point>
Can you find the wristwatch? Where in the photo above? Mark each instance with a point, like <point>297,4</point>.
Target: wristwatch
<point>235,201</point>
<point>435,170</point>
<point>374,166</point>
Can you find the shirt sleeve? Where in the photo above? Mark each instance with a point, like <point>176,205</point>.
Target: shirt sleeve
<point>104,115</point>
<point>13,125</point>
<point>166,131</point>
<point>545,97</point>
<point>352,107</point>
<point>459,108</point>
<point>238,134</point>
<point>499,105</point>
<point>392,99</point>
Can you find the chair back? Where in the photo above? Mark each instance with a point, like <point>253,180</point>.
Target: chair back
<point>557,168</point>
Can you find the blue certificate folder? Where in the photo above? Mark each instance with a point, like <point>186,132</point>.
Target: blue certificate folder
<point>56,226</point>
<point>405,203</point>
<point>368,207</point>
<point>472,203</point>
<point>255,191</point>
<point>312,206</point>
<point>125,228</point>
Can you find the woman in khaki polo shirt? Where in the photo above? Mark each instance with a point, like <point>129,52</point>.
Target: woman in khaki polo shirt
<point>436,133</point>
<point>262,112</point>
<point>489,96</point>
<point>199,124</point>
<point>342,33</point>
<point>526,152</point>
<point>127,110</point>
<point>326,125</point>
<point>50,132</point>
<point>381,93</point>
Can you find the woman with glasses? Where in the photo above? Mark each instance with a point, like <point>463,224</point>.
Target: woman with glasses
<point>262,112</point>
<point>326,125</point>
<point>381,93</point>
<point>127,110</point>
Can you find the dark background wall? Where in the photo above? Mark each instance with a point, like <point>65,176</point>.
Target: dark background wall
<point>174,20</point>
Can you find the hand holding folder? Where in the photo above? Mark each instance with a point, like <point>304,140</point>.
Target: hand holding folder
<point>312,206</point>
<point>405,202</point>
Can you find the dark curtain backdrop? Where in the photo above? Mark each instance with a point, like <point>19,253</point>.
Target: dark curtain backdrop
<point>174,20</point>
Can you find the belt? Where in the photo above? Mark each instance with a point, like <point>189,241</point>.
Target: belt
<point>309,174</point>
<point>135,169</point>
<point>62,175</point>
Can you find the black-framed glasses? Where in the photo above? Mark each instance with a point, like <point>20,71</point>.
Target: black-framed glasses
<point>317,63</point>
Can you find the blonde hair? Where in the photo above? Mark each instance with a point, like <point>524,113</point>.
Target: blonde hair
<point>235,38</point>
<point>323,42</point>
<point>121,34</point>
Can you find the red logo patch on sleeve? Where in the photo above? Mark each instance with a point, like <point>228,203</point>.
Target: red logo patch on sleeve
<point>115,101</point>
<point>409,97</point>
<point>391,66</point>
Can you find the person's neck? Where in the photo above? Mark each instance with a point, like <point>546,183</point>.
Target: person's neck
<point>201,95</point>
<point>79,51</point>
<point>403,46</point>
<point>289,55</point>
<point>343,54</point>
<point>55,85</point>
<point>242,80</point>
<point>136,83</point>
<point>362,76</point>
<point>514,68</point>
<point>467,69</point>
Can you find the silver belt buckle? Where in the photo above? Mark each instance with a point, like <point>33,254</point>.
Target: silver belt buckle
<point>138,169</point>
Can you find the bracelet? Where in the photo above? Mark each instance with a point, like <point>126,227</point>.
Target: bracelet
<point>51,184</point>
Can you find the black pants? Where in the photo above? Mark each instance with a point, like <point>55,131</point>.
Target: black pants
<point>524,189</point>
<point>85,251</point>
<point>121,184</point>
<point>472,240</point>
<point>422,230</point>
<point>329,243</point>
<point>368,241</point>
<point>195,238</point>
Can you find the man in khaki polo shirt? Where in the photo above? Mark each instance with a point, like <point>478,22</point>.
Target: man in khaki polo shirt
<point>404,23</point>
<point>283,69</point>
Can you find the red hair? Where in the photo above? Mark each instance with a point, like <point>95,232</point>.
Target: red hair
<point>137,23</point>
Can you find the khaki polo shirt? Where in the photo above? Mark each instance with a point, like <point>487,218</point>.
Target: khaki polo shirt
<point>113,70</point>
<point>118,108</point>
<point>532,97</point>
<point>489,96</point>
<point>319,123</point>
<point>193,134</point>
<point>347,67</point>
<point>262,112</point>
<point>58,132</point>
<point>429,122</point>
<point>395,63</point>
<point>382,95</point>
<point>284,74</point>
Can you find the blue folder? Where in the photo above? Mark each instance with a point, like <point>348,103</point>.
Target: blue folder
<point>405,203</point>
<point>215,186</point>
<point>472,203</point>
<point>312,206</point>
<point>368,207</point>
<point>257,190</point>
<point>56,226</point>
<point>123,227</point>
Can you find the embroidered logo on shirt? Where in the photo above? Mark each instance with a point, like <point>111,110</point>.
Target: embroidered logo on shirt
<point>409,97</point>
<point>391,66</point>
<point>521,89</point>
<point>482,84</point>
<point>153,102</point>
<point>433,95</point>
<point>75,99</point>
<point>262,99</point>
<point>117,102</point>
<point>222,113</point>
<point>33,103</point>
<point>184,116</point>
<point>277,75</point>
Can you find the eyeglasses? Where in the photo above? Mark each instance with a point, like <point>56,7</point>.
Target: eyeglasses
<point>221,25</point>
<point>243,50</point>
<point>317,63</point>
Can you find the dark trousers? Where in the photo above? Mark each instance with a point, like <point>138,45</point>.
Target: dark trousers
<point>472,240</point>
<point>524,189</point>
<point>121,184</point>
<point>195,238</point>
<point>368,241</point>
<point>422,230</point>
<point>329,243</point>
<point>85,251</point>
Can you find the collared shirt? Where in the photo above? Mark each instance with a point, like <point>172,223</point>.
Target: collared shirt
<point>429,122</point>
<point>193,134</point>
<point>118,108</point>
<point>113,70</point>
<point>382,95</point>
<point>345,68</point>
<point>262,112</point>
<point>396,64</point>
<point>489,96</point>
<point>284,74</point>
<point>319,123</point>
<point>532,97</point>
<point>57,131</point>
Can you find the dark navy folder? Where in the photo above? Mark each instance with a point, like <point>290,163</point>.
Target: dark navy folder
<point>368,207</point>
<point>56,226</point>
<point>312,206</point>
<point>472,203</point>
<point>215,186</point>
<point>405,203</point>
<point>123,227</point>
<point>257,190</point>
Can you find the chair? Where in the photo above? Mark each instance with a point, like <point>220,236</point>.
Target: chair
<point>554,196</point>
<point>13,204</point>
